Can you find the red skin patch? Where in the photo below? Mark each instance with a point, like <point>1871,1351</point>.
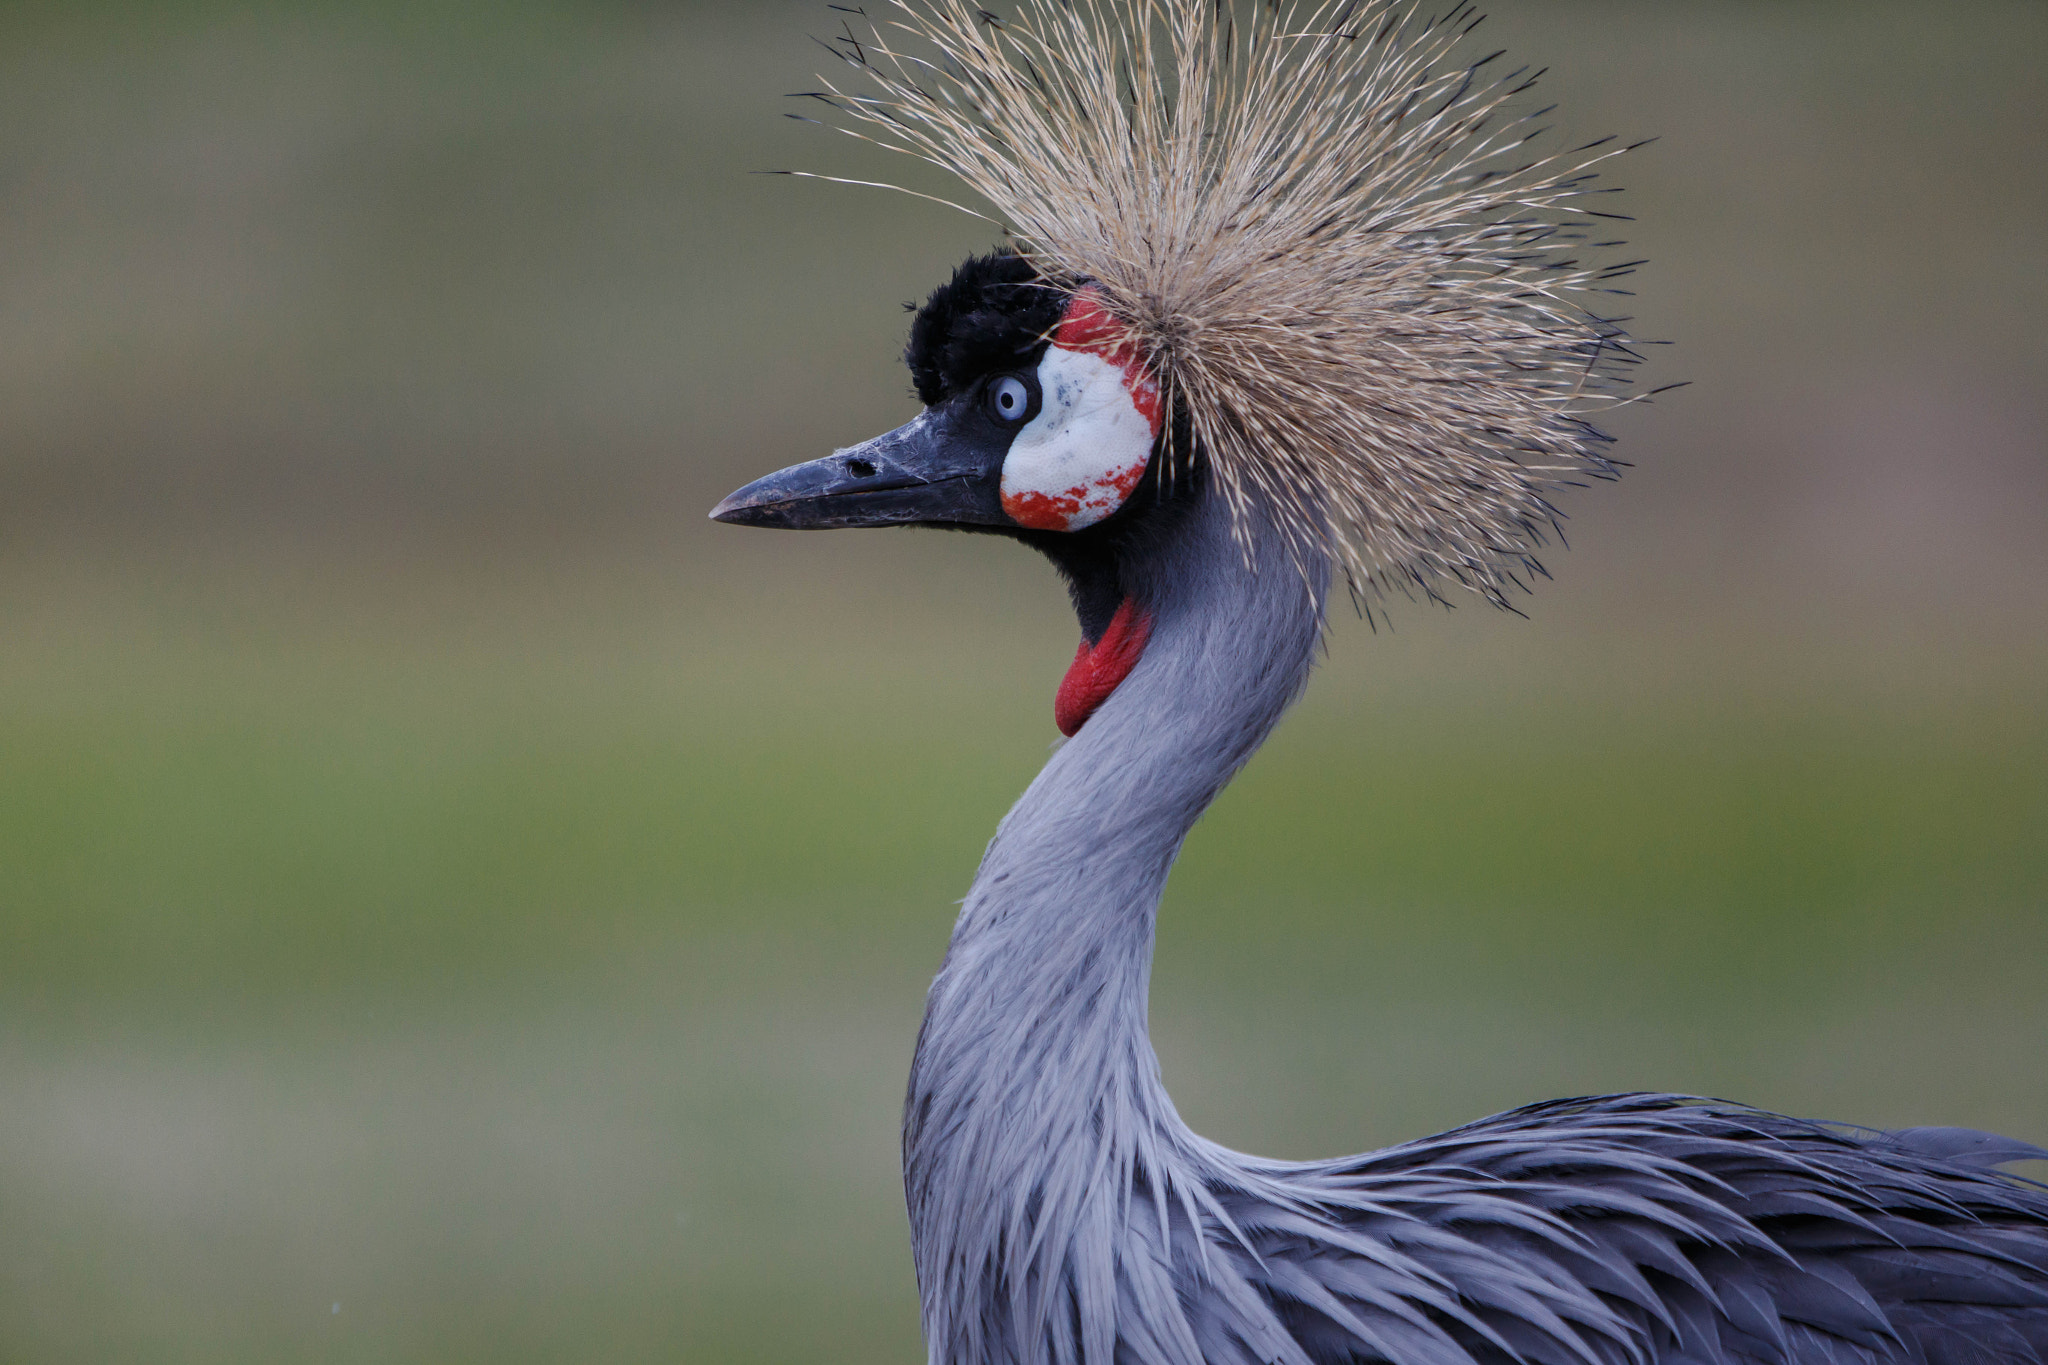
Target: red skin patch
<point>1088,326</point>
<point>1099,669</point>
<point>1042,512</point>
<point>1047,512</point>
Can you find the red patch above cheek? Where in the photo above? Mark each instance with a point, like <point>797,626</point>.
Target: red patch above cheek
<point>1090,327</point>
<point>1099,669</point>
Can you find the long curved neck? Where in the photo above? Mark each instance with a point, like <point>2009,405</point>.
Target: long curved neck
<point>1035,1107</point>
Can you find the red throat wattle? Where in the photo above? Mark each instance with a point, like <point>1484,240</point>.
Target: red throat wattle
<point>1098,669</point>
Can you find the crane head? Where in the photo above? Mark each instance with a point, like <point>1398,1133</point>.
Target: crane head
<point>1038,417</point>
<point>1041,422</point>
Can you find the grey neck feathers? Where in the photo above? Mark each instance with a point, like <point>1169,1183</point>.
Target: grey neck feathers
<point>1036,1122</point>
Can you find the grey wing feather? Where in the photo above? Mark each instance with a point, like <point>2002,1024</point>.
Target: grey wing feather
<point>1964,1145</point>
<point>1641,1230</point>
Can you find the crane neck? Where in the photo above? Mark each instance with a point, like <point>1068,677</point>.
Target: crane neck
<point>1035,1096</point>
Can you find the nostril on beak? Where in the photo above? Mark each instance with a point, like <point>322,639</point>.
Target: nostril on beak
<point>861,469</point>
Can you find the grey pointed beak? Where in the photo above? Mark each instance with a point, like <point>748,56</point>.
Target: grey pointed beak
<point>935,470</point>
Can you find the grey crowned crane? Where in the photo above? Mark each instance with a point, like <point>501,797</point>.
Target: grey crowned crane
<point>1288,302</point>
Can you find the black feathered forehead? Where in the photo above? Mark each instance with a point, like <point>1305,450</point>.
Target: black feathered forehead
<point>994,314</point>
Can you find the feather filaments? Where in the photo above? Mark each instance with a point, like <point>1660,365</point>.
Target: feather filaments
<point>1363,290</point>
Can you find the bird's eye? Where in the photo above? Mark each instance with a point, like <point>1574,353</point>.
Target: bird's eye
<point>1009,399</point>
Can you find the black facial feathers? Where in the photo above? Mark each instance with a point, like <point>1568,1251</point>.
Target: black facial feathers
<point>994,314</point>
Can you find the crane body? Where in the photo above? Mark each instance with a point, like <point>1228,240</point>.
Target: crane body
<point>1061,1212</point>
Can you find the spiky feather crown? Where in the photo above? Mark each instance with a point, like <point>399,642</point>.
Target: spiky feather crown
<point>1351,276</point>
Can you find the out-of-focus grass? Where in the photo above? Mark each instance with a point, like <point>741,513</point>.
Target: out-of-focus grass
<point>257,805</point>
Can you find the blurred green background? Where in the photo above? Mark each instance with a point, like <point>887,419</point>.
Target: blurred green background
<point>456,904</point>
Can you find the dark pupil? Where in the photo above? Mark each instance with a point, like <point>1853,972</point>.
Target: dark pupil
<point>1008,399</point>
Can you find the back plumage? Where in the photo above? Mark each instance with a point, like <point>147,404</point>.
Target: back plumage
<point>1652,1228</point>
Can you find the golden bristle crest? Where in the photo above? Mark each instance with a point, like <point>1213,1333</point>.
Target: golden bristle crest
<point>1364,292</point>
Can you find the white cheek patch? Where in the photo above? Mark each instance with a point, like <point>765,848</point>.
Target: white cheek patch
<point>1078,460</point>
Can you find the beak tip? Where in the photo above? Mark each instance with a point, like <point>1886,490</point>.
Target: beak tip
<point>735,508</point>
